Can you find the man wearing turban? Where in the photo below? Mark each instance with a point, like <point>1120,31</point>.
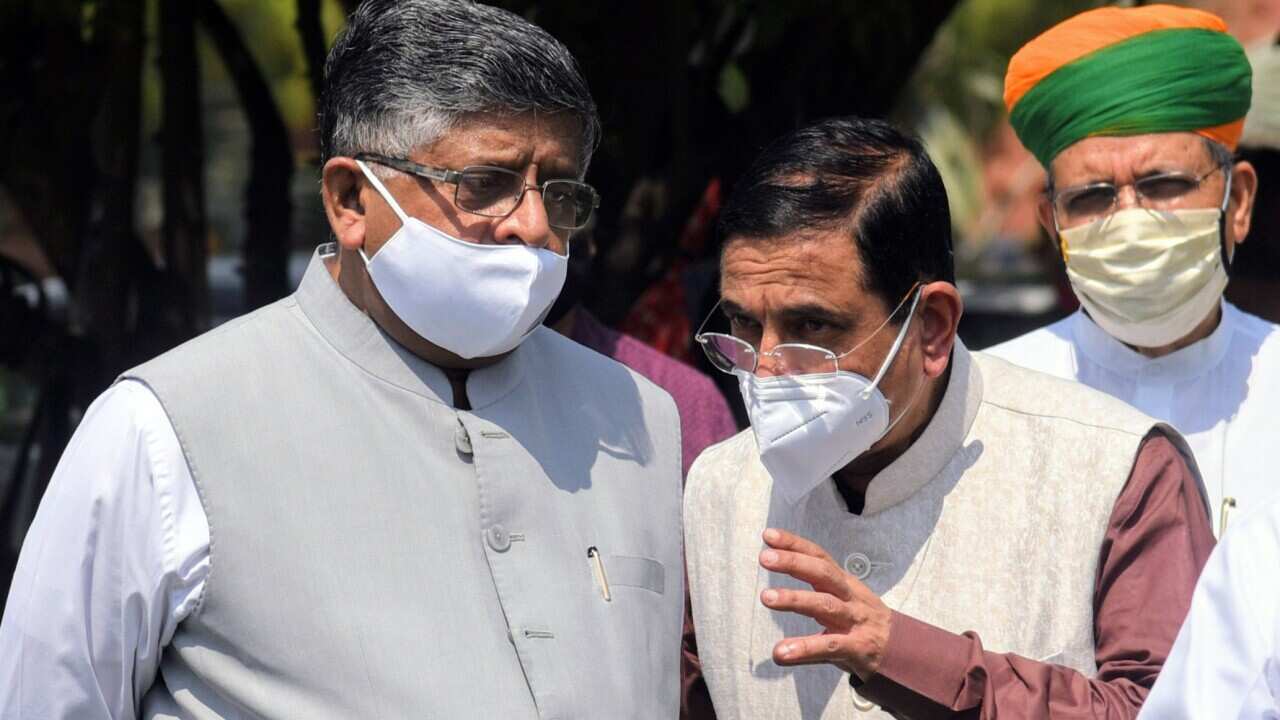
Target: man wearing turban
<point>1136,113</point>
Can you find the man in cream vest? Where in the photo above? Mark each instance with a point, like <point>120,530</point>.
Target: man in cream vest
<point>908,528</point>
<point>392,494</point>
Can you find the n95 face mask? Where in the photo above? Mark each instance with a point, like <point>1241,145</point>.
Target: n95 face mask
<point>470,299</point>
<point>809,426</point>
<point>1148,277</point>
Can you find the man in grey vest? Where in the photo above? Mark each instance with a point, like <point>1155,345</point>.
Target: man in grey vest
<point>394,493</point>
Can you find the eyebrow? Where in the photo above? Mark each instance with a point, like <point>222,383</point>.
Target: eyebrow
<point>729,307</point>
<point>497,158</point>
<point>1161,168</point>
<point>810,311</point>
<point>1147,166</point>
<point>518,161</point>
<point>805,311</point>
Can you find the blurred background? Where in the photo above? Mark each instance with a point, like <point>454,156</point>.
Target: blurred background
<point>159,167</point>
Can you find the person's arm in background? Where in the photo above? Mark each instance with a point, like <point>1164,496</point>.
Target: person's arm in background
<point>1224,663</point>
<point>115,559</point>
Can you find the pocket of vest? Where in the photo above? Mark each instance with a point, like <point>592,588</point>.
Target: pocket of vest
<point>640,572</point>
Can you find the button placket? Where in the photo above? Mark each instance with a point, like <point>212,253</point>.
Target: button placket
<point>860,565</point>
<point>498,538</point>
<point>462,440</point>
<point>498,462</point>
<point>862,704</point>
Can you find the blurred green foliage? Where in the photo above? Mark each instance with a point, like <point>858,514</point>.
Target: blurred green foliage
<point>963,70</point>
<point>269,29</point>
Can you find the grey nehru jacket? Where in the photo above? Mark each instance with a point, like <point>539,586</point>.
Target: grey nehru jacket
<point>376,553</point>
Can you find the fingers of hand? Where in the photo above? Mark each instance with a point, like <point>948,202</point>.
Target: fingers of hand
<point>823,575</point>
<point>830,612</point>
<point>811,649</point>
<point>783,540</point>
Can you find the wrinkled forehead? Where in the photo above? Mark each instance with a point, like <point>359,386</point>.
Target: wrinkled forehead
<point>810,269</point>
<point>1122,159</point>
<point>554,141</point>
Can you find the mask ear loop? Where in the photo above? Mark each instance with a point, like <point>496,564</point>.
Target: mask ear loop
<point>905,408</point>
<point>897,345</point>
<point>892,356</point>
<point>382,190</point>
<point>1222,224</point>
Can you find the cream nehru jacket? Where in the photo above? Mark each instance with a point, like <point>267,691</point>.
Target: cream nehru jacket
<point>992,521</point>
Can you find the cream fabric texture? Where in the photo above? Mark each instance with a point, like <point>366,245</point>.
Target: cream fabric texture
<point>992,522</point>
<point>1221,393</point>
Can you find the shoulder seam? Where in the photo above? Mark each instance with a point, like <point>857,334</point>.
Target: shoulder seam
<point>1064,418</point>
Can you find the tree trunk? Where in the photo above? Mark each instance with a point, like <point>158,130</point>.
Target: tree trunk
<point>182,148</point>
<point>112,254</point>
<point>69,140</point>
<point>53,81</point>
<point>268,206</point>
<point>311,31</point>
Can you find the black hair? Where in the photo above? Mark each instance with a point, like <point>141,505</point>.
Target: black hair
<point>858,175</point>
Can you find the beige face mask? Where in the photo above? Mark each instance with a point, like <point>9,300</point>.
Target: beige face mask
<point>1148,277</point>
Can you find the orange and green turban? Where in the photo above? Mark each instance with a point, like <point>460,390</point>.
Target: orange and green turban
<point>1128,71</point>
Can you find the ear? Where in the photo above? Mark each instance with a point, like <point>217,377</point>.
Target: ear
<point>341,182</point>
<point>941,308</point>
<point>1044,213</point>
<point>1244,190</point>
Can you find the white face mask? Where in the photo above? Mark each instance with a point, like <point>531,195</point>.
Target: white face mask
<point>809,426</point>
<point>1148,277</point>
<point>470,299</point>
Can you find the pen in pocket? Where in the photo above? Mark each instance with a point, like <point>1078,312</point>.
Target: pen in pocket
<point>1228,504</point>
<point>598,565</point>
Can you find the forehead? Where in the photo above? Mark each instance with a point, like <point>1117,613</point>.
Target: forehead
<point>552,141</point>
<point>1124,158</point>
<point>822,267</point>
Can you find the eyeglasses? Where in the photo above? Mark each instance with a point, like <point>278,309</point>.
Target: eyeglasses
<point>497,192</point>
<point>1081,204</point>
<point>731,354</point>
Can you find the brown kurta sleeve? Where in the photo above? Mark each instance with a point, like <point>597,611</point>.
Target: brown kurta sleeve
<point>1158,538</point>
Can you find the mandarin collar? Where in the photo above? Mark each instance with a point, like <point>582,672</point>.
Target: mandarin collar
<point>359,339</point>
<point>1184,364</point>
<point>936,447</point>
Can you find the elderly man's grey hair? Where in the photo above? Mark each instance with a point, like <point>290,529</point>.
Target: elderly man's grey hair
<point>403,72</point>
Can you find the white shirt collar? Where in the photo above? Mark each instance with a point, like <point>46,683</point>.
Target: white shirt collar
<point>1185,364</point>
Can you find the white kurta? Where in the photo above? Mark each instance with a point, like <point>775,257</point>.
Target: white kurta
<point>1221,392</point>
<point>1226,661</point>
<point>122,509</point>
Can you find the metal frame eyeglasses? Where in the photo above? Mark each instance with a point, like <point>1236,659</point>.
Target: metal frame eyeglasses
<point>1081,204</point>
<point>496,192</point>
<point>730,354</point>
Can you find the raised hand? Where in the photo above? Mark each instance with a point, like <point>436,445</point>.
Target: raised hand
<point>855,620</point>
